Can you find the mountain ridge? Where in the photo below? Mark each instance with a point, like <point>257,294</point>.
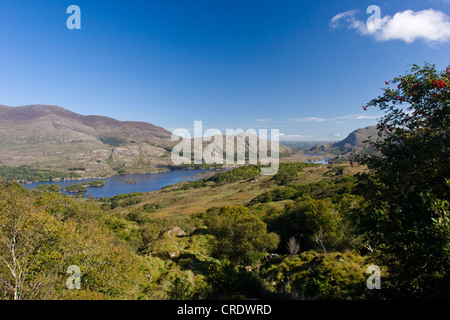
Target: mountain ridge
<point>53,138</point>
<point>354,144</point>
<point>33,112</point>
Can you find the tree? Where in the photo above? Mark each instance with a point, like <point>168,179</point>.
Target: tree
<point>314,222</point>
<point>240,236</point>
<point>293,246</point>
<point>39,239</point>
<point>407,189</point>
<point>151,233</point>
<point>47,188</point>
<point>180,289</point>
<point>31,246</point>
<point>226,280</point>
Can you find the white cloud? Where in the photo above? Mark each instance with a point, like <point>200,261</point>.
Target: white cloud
<point>309,119</point>
<point>283,135</point>
<point>367,117</point>
<point>263,120</point>
<point>347,117</point>
<point>347,15</point>
<point>428,25</point>
<point>293,136</point>
<point>357,117</point>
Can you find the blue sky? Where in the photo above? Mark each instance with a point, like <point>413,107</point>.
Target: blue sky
<point>232,64</point>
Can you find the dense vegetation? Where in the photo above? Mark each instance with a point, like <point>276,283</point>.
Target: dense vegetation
<point>82,187</point>
<point>28,173</point>
<point>220,253</point>
<point>122,200</point>
<point>308,232</point>
<point>229,176</point>
<point>408,191</point>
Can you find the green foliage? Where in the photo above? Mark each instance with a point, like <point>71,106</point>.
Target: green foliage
<point>76,188</point>
<point>287,172</point>
<point>138,215</point>
<point>122,200</point>
<point>312,275</point>
<point>124,229</point>
<point>152,234</point>
<point>40,238</point>
<point>229,281</point>
<point>334,189</point>
<point>238,174</point>
<point>82,187</point>
<point>180,289</point>
<point>151,207</point>
<point>224,177</point>
<point>279,194</point>
<point>96,183</point>
<point>240,236</point>
<point>47,188</point>
<point>29,173</point>
<point>315,223</point>
<point>130,202</point>
<point>408,190</point>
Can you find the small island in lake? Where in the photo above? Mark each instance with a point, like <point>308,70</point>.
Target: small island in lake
<point>96,184</point>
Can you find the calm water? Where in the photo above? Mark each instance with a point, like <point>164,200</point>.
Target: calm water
<point>144,182</point>
<point>323,161</point>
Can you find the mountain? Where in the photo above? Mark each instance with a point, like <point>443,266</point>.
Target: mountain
<point>301,145</point>
<point>56,139</point>
<point>352,145</point>
<point>104,126</point>
<point>51,137</point>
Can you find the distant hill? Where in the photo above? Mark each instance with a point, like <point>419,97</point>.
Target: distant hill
<point>302,145</point>
<point>352,145</point>
<point>53,138</point>
<point>103,126</point>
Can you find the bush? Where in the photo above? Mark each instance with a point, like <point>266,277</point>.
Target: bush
<point>315,223</point>
<point>311,275</point>
<point>240,236</point>
<point>407,217</point>
<point>47,188</point>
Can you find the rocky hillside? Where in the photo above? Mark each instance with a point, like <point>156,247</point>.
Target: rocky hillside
<point>54,138</point>
<point>352,145</point>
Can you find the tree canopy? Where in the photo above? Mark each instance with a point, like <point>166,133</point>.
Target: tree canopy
<point>407,219</point>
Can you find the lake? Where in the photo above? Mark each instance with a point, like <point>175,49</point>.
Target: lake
<point>323,161</point>
<point>144,182</point>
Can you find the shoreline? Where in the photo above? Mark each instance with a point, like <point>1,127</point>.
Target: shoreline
<point>113,175</point>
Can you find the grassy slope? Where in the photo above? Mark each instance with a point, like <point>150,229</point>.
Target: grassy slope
<point>176,202</point>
